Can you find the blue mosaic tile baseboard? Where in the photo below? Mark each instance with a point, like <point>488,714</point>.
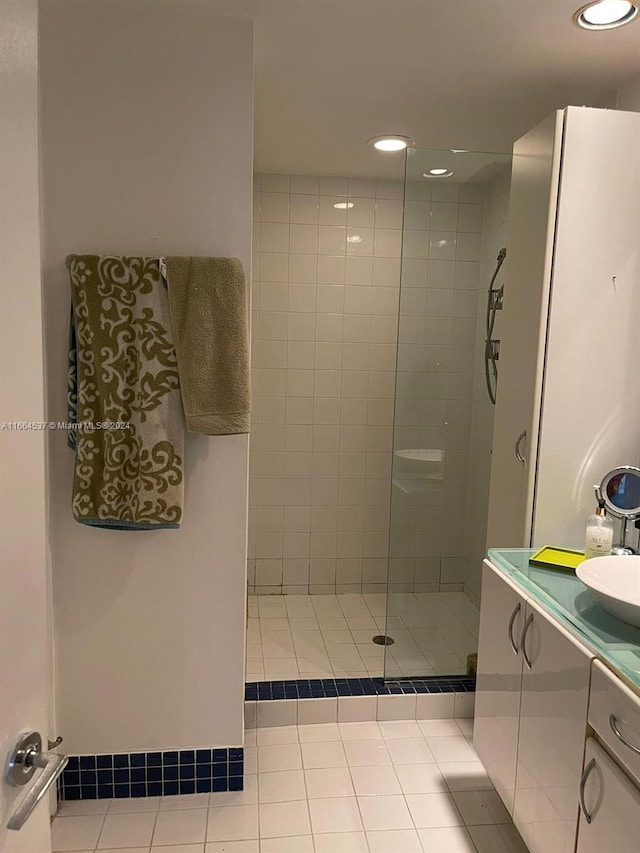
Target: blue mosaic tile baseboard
<point>149,774</point>
<point>323,688</point>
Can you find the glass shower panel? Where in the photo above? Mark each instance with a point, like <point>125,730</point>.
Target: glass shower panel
<point>455,223</point>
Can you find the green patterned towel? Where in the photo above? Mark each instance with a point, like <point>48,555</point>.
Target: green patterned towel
<point>123,373</point>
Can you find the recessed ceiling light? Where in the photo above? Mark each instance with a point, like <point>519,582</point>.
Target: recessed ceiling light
<point>343,205</point>
<point>605,14</point>
<point>438,173</point>
<point>391,142</point>
<point>354,238</point>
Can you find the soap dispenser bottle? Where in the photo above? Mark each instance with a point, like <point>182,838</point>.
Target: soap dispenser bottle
<point>599,535</point>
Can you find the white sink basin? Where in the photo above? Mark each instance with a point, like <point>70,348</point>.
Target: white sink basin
<point>615,581</point>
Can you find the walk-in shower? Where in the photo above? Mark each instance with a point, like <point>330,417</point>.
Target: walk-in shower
<point>371,435</point>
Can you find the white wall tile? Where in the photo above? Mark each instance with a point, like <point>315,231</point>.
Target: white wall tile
<point>275,183</point>
<point>362,213</point>
<point>305,184</point>
<point>304,239</point>
<point>324,357</point>
<point>274,207</point>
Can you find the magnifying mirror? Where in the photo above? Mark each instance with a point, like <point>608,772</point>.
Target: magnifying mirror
<point>620,490</point>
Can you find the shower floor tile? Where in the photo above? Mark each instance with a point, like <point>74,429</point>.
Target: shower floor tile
<point>331,636</point>
<point>357,805</point>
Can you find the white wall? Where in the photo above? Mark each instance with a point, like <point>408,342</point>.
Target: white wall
<point>147,149</point>
<point>24,624</point>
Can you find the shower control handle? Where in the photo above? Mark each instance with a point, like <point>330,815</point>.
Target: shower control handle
<point>518,443</point>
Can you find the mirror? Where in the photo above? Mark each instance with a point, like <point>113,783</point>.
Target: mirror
<point>620,489</point>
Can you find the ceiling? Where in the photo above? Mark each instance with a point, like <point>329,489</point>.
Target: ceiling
<point>470,74</point>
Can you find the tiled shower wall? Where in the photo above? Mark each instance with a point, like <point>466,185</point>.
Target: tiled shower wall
<point>325,311</point>
<point>495,237</point>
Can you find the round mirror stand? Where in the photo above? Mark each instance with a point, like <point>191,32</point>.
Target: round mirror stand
<point>620,491</point>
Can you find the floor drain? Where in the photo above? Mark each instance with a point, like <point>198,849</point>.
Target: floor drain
<point>382,640</point>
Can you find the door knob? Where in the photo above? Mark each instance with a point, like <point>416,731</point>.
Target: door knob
<point>27,757</point>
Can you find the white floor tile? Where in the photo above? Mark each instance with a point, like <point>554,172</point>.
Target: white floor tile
<point>136,804</point>
<point>393,730</point>
<point>450,839</point>
<point>329,754</point>
<point>282,819</point>
<point>233,823</point>
<point>283,757</point>
<point>341,842</point>
<point>421,779</point>
<point>432,810</point>
<point>395,841</point>
<point>410,751</point>
<point>184,801</point>
<point>319,733</point>
<point>171,848</point>
<point>447,749</point>
<point>481,807</point>
<point>194,849</point>
<point>329,782</point>
<point>375,781</point>
<point>281,786</point>
<point>336,814</point>
<point>385,812</point>
<point>74,808</point>
<point>439,728</point>
<point>76,833</point>
<point>275,735</point>
<point>360,731</point>
<point>132,830</point>
<point>293,844</point>
<point>465,776</point>
<point>183,826</point>
<point>361,753</point>
<point>233,847</point>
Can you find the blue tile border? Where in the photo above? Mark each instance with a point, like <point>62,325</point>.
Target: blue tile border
<point>149,774</point>
<point>323,688</point>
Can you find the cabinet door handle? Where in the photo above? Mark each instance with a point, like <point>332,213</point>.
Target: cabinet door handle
<point>519,441</point>
<point>583,782</point>
<point>512,620</point>
<point>613,722</point>
<point>523,638</point>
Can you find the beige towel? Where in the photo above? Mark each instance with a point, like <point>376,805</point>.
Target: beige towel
<point>208,299</point>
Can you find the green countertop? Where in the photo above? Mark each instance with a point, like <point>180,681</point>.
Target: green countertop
<point>565,596</point>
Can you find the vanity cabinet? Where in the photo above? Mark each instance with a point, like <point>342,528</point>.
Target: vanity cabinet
<point>553,721</point>
<point>532,696</point>
<point>499,682</point>
<point>610,806</point>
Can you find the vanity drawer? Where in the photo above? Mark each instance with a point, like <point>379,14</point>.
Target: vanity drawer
<point>613,706</point>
